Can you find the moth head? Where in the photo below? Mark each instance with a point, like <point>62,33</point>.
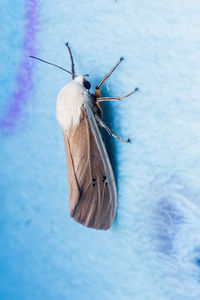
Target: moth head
<point>82,80</point>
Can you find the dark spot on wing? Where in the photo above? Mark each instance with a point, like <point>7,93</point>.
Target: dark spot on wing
<point>103,178</point>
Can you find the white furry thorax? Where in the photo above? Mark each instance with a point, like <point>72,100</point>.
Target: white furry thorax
<point>69,103</point>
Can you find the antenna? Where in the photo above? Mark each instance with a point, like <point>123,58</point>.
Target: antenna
<point>47,62</point>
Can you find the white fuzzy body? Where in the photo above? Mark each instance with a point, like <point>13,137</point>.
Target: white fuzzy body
<point>69,103</point>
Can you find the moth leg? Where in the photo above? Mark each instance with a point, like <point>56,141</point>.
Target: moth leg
<point>72,60</point>
<point>108,74</point>
<point>109,131</point>
<point>100,99</point>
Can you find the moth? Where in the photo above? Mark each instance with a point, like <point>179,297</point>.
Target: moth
<point>91,182</point>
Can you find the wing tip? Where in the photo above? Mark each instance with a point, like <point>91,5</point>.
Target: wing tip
<point>92,225</point>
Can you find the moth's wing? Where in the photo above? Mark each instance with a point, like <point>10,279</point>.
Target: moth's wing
<point>92,190</point>
<point>73,187</point>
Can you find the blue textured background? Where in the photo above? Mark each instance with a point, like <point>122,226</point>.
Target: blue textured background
<point>152,250</point>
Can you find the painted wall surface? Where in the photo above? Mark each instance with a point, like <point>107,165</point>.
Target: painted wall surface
<point>152,251</point>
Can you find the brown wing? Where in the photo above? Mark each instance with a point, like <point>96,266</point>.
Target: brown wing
<point>91,201</point>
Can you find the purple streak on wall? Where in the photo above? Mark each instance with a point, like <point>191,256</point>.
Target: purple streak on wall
<point>23,81</point>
